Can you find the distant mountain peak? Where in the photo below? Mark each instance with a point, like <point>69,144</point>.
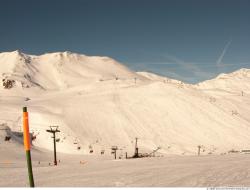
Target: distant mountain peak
<point>60,69</point>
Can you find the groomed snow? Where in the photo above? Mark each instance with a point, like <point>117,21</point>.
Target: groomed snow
<point>96,171</point>
<point>98,103</point>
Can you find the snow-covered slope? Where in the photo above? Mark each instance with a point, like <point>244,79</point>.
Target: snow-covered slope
<point>59,70</point>
<point>156,77</point>
<point>236,82</point>
<point>98,103</point>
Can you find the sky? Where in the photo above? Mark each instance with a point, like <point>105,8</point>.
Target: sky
<point>189,40</point>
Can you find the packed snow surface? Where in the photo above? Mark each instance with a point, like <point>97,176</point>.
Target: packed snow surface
<point>104,171</point>
<point>99,103</point>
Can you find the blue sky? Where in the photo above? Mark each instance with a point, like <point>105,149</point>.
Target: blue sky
<point>190,40</point>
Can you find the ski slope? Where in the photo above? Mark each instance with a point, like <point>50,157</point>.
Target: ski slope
<point>97,103</point>
<point>103,171</point>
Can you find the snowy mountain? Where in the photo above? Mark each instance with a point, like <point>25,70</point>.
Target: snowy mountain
<point>98,103</point>
<point>59,70</point>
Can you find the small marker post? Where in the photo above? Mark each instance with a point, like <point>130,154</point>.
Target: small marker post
<point>26,142</point>
<point>199,150</point>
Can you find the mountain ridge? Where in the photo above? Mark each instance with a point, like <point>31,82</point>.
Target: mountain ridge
<point>98,103</point>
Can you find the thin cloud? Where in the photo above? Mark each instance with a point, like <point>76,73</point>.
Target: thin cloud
<point>188,66</point>
<point>219,60</point>
<point>171,74</point>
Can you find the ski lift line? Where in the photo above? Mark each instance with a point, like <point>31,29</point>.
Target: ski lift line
<point>118,78</point>
<point>30,123</point>
<point>38,125</point>
<point>34,129</point>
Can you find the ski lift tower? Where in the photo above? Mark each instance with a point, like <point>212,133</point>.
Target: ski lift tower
<point>136,155</point>
<point>54,130</point>
<point>114,149</point>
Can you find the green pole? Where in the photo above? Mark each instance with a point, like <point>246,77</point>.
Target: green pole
<point>30,172</point>
<point>26,141</point>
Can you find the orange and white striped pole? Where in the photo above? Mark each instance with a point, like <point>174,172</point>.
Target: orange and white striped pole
<point>26,142</point>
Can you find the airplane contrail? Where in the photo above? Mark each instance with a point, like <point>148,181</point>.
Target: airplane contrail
<point>219,60</point>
